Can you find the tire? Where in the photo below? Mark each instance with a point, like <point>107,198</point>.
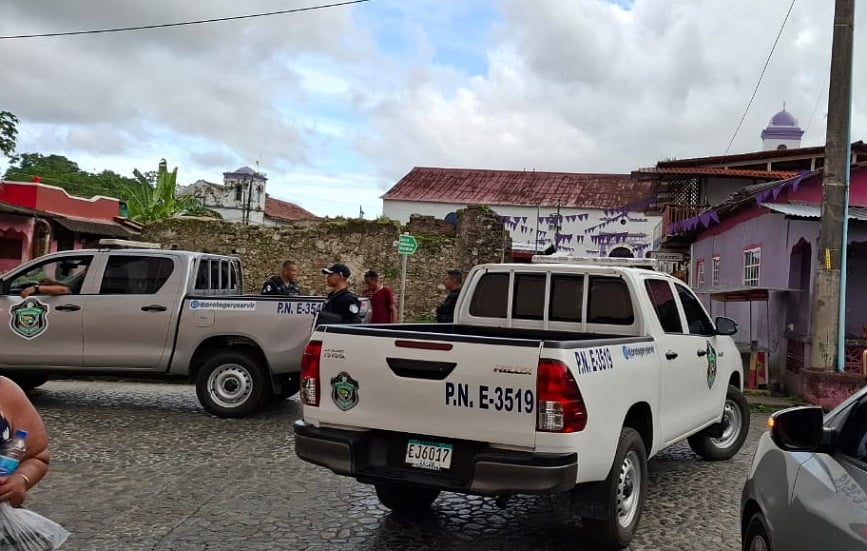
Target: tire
<point>289,386</point>
<point>625,490</point>
<point>231,384</point>
<point>28,381</point>
<point>756,536</point>
<point>406,500</point>
<point>735,427</point>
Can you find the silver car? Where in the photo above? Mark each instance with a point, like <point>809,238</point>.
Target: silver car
<point>807,487</point>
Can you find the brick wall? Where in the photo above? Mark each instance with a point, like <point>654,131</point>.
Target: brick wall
<point>362,245</point>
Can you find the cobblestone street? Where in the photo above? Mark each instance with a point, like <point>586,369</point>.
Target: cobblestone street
<point>139,465</point>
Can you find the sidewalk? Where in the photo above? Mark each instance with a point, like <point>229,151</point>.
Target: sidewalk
<point>763,398</point>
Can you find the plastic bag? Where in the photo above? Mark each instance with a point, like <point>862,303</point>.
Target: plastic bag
<point>24,530</point>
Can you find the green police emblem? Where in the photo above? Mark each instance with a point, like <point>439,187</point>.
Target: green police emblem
<point>711,365</point>
<point>29,318</point>
<point>344,391</point>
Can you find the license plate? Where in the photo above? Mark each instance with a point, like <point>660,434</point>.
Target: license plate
<point>433,456</point>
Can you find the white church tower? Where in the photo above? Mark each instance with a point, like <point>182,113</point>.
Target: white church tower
<point>782,132</point>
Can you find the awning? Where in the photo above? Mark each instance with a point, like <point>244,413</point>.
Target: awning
<point>9,208</point>
<point>803,210</point>
<point>90,227</point>
<point>745,294</point>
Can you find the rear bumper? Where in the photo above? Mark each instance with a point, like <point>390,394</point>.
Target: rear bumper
<point>375,456</point>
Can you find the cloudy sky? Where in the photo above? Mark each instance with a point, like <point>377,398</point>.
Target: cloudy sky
<point>337,104</point>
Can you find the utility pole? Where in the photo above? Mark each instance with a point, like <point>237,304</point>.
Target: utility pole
<point>829,293</point>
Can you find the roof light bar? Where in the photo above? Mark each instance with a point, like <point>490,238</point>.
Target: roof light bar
<point>598,261</point>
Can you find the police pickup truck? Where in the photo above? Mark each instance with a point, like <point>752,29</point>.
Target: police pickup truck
<point>556,378</point>
<point>143,310</point>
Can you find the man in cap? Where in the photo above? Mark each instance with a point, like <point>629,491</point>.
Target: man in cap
<point>446,309</point>
<point>341,306</point>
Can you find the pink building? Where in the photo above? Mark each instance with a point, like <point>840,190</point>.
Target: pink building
<point>36,219</point>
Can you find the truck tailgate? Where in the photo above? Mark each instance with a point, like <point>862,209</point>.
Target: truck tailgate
<point>481,389</point>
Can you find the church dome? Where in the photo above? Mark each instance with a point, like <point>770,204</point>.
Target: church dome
<point>783,118</point>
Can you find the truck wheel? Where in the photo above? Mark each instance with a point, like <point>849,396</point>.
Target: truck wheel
<point>405,500</point>
<point>28,381</point>
<point>625,490</point>
<point>231,384</point>
<point>715,445</point>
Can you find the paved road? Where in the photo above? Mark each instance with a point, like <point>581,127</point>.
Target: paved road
<point>141,466</point>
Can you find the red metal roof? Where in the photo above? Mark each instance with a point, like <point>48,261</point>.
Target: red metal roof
<point>283,210</point>
<point>769,155</point>
<point>724,172</point>
<point>519,188</point>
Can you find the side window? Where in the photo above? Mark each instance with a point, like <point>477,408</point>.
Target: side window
<point>490,297</point>
<point>135,275</point>
<point>203,274</point>
<point>567,296</point>
<point>696,319</point>
<point>659,292</point>
<point>609,301</point>
<point>69,271</point>
<point>529,300</point>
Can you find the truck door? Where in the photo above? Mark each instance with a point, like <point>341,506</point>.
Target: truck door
<point>42,330</point>
<point>130,322</point>
<point>680,365</point>
<point>709,390</point>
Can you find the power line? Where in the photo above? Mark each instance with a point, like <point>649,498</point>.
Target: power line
<point>183,23</point>
<point>761,76</point>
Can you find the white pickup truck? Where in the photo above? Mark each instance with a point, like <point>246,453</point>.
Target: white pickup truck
<point>554,378</point>
<point>133,311</point>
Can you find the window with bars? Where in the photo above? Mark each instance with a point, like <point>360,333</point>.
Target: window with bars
<point>715,271</point>
<point>752,263</point>
<point>699,274</point>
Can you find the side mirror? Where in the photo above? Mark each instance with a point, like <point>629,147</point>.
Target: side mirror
<point>726,326</point>
<point>798,429</point>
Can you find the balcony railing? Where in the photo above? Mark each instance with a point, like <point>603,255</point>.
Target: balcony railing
<point>678,213</point>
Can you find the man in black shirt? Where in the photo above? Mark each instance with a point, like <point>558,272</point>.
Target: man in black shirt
<point>446,309</point>
<point>341,306</point>
<point>283,283</point>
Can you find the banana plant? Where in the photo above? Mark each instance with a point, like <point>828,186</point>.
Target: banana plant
<point>155,196</point>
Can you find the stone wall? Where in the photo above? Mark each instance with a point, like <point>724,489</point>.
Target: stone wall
<point>362,245</point>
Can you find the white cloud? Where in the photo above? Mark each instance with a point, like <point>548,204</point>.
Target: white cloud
<point>338,104</point>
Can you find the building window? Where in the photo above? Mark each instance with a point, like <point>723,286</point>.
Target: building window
<point>554,222</point>
<point>11,248</point>
<point>752,262</point>
<point>238,192</point>
<point>699,274</point>
<point>715,271</point>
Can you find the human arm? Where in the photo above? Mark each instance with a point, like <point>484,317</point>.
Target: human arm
<point>21,414</point>
<point>45,289</point>
<point>392,306</point>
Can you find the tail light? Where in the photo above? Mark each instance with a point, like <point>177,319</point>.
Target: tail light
<point>560,406</point>
<point>310,373</point>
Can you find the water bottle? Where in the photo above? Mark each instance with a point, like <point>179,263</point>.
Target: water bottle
<point>12,452</point>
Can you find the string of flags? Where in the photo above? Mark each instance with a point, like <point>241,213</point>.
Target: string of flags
<point>706,218</point>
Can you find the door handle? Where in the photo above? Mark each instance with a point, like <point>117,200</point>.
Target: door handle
<point>670,355</point>
<point>154,308</point>
<point>702,352</point>
<point>68,308</point>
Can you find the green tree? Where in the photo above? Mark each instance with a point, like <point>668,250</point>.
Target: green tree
<point>57,170</point>
<point>154,196</point>
<point>8,133</point>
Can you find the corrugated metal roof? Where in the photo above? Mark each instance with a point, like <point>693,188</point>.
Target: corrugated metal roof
<point>804,210</point>
<point>722,172</point>
<point>519,188</point>
<point>284,210</point>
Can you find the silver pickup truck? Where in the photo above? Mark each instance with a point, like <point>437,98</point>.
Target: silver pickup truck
<point>140,310</point>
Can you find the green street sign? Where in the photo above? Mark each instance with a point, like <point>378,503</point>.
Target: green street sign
<point>406,244</point>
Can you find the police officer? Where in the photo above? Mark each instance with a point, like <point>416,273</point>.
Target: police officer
<point>341,306</point>
<point>446,309</point>
<point>283,283</point>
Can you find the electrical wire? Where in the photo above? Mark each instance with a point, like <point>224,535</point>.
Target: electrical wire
<point>761,76</point>
<point>183,23</point>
